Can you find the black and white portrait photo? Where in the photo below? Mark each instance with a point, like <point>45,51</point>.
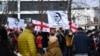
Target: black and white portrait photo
<point>56,18</point>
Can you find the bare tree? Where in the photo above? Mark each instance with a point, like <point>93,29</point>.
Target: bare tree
<point>80,5</point>
<point>85,3</point>
<point>6,11</point>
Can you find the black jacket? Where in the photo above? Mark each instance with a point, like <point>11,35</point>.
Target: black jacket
<point>81,42</point>
<point>4,51</point>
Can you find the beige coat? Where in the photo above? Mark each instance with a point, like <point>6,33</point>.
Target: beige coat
<point>53,50</point>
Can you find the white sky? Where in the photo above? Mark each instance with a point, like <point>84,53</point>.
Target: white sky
<point>90,3</point>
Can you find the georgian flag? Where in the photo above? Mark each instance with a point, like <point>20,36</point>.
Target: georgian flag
<point>58,18</point>
<point>73,26</point>
<point>41,26</point>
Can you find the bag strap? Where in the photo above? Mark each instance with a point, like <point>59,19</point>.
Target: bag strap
<point>72,40</point>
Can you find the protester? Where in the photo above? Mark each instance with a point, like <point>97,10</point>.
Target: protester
<point>81,43</point>
<point>5,49</point>
<point>53,48</point>
<point>95,35</point>
<point>91,43</point>
<point>62,43</point>
<point>98,43</point>
<point>39,43</point>
<point>13,36</point>
<point>69,41</point>
<point>26,42</point>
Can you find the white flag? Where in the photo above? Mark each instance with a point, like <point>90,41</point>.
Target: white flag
<point>56,18</point>
<point>21,23</point>
<point>12,22</point>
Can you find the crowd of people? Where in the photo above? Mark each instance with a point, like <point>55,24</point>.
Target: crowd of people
<point>59,42</point>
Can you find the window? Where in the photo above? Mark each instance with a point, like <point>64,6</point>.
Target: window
<point>46,5</point>
<point>34,16</point>
<point>12,5</point>
<point>2,5</point>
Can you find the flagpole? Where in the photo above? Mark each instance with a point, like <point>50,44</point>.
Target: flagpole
<point>69,12</point>
<point>41,10</point>
<point>69,9</point>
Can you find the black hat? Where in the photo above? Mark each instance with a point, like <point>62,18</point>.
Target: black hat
<point>80,28</point>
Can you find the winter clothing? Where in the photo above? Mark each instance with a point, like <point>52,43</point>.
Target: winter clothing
<point>52,39</point>
<point>39,41</point>
<point>69,41</point>
<point>4,43</point>
<point>4,51</point>
<point>62,43</point>
<point>53,49</point>
<point>26,43</point>
<point>39,44</point>
<point>91,46</point>
<point>81,43</point>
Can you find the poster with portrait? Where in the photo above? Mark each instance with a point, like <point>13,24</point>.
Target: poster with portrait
<point>58,18</point>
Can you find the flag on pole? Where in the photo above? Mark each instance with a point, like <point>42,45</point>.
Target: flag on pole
<point>12,22</point>
<point>21,23</point>
<point>58,18</point>
<point>41,26</point>
<point>73,26</point>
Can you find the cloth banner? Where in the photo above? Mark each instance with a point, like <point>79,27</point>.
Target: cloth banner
<point>21,23</point>
<point>12,22</point>
<point>58,18</point>
<point>41,26</point>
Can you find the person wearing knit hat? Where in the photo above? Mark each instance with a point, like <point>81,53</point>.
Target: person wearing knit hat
<point>53,47</point>
<point>52,39</point>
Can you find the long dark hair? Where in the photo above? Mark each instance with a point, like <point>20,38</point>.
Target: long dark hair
<point>59,15</point>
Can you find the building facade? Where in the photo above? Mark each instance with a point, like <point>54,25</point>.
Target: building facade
<point>31,9</point>
<point>88,17</point>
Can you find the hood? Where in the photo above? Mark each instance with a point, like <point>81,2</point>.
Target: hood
<point>54,44</point>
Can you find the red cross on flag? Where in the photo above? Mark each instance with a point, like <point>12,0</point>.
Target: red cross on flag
<point>41,26</point>
<point>73,26</point>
